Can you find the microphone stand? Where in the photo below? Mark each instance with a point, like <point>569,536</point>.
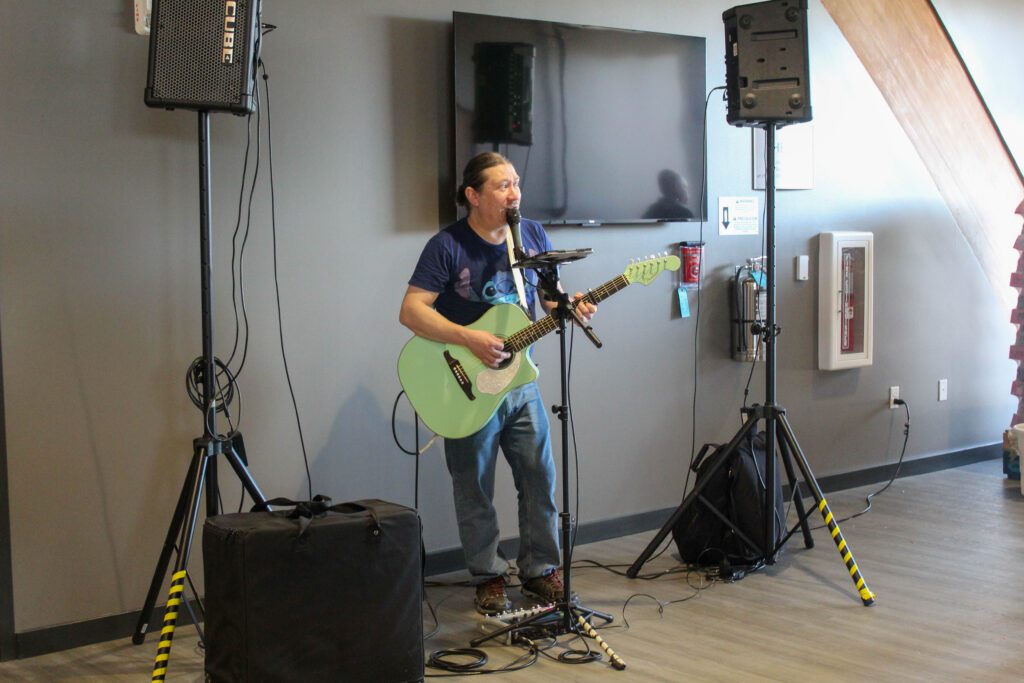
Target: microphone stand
<point>564,616</point>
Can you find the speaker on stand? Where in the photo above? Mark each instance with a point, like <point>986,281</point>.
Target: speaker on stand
<point>203,54</point>
<point>766,68</point>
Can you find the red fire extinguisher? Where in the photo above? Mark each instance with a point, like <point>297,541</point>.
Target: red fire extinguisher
<point>847,305</point>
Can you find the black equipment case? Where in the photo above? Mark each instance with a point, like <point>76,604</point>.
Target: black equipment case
<point>314,592</point>
<point>737,492</point>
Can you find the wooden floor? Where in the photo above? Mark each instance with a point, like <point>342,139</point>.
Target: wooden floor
<point>942,551</point>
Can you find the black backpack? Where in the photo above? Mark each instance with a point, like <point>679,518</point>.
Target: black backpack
<point>736,490</point>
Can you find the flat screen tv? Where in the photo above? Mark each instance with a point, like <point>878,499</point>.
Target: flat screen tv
<point>603,125</point>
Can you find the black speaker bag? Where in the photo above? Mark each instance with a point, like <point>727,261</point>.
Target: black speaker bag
<point>737,491</point>
<point>747,491</point>
<point>314,593</point>
<point>698,532</point>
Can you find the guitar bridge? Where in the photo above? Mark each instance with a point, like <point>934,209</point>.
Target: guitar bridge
<point>461,378</point>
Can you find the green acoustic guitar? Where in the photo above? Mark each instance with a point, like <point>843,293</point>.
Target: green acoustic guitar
<point>452,390</point>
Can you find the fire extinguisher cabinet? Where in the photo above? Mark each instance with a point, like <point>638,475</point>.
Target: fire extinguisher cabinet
<point>845,299</point>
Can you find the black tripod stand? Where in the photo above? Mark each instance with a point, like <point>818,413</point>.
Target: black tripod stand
<point>565,616</point>
<point>203,467</point>
<point>777,430</point>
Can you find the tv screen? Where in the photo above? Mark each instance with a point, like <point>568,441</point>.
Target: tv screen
<point>603,125</point>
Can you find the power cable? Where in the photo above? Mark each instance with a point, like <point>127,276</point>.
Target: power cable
<point>696,322</point>
<point>277,287</point>
<point>895,474</point>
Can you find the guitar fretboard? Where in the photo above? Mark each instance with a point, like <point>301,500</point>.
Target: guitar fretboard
<point>528,335</point>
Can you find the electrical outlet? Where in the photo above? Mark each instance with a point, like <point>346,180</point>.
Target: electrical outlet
<point>943,390</point>
<point>894,393</point>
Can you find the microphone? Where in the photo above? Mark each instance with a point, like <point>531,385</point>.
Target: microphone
<point>512,216</point>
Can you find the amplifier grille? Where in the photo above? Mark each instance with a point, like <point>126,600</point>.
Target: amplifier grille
<point>188,52</point>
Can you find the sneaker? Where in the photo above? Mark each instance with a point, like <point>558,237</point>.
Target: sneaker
<point>491,597</point>
<point>548,589</point>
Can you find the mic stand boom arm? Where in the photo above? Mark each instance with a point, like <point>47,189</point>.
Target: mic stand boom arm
<point>547,277</point>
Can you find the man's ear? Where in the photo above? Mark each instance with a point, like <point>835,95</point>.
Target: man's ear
<point>472,196</point>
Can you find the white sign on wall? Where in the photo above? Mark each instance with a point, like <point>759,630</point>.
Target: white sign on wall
<point>737,215</point>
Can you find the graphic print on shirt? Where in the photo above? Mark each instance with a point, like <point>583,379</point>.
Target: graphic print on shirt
<point>500,289</point>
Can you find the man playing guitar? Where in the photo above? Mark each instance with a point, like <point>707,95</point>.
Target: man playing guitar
<point>462,272</point>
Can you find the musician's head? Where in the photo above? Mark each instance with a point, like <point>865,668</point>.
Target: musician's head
<point>490,186</point>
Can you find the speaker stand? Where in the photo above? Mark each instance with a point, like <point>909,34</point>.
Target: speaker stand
<point>777,430</point>
<point>205,449</point>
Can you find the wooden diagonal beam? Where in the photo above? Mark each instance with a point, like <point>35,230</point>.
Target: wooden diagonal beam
<point>907,52</point>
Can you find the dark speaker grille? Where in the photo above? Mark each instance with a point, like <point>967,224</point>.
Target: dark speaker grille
<point>187,58</point>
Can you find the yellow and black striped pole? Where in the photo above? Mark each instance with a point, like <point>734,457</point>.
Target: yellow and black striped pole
<point>789,439</point>
<point>615,660</point>
<point>866,596</point>
<point>163,651</point>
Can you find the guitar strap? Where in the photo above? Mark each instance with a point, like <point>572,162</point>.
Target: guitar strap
<point>517,274</point>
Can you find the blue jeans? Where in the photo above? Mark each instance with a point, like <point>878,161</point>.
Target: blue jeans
<point>521,428</point>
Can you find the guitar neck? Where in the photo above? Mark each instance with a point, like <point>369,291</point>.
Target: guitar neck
<point>528,335</point>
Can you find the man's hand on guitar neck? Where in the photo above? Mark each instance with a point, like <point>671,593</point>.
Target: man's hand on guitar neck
<point>585,309</point>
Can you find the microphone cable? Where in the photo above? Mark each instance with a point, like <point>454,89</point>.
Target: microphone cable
<point>416,451</point>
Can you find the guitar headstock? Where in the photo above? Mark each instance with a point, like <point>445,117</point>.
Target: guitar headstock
<point>647,270</point>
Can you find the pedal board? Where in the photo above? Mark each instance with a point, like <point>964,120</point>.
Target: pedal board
<point>495,622</point>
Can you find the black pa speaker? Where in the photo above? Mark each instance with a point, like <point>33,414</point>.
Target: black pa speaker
<point>766,71</point>
<point>503,79</point>
<point>203,54</point>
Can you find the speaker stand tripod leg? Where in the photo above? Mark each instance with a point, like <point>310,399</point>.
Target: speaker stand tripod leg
<point>180,574</point>
<point>139,636</point>
<point>866,596</point>
<point>785,453</point>
<point>212,489</point>
<point>234,451</point>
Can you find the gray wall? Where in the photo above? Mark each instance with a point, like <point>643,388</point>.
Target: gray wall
<point>99,285</point>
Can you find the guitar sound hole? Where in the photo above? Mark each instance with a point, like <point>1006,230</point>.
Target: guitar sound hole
<point>505,363</point>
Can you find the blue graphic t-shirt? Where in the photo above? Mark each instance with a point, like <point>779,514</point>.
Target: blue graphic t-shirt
<point>470,275</point>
